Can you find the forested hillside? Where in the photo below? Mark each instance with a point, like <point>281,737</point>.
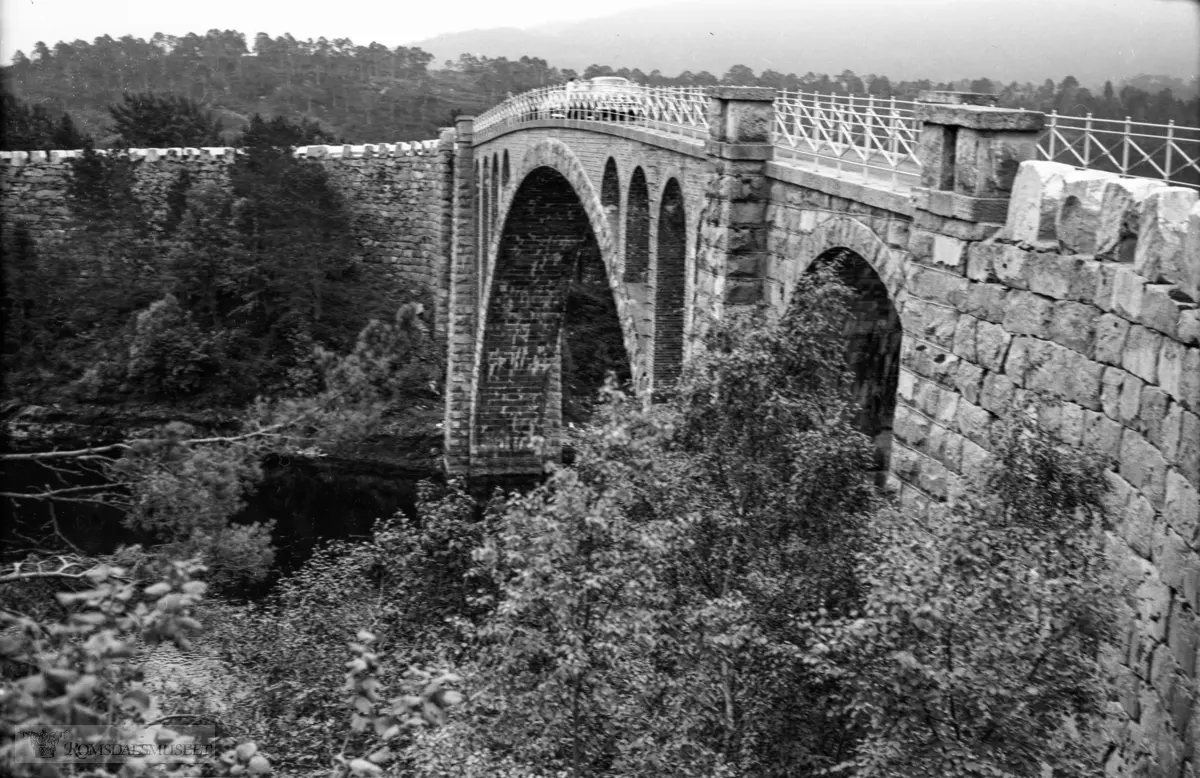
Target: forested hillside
<point>374,93</point>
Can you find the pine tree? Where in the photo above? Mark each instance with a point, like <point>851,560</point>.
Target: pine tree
<point>148,120</point>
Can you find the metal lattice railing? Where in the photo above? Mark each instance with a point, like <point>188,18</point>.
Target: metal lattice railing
<point>680,111</point>
<point>1166,152</point>
<point>867,137</point>
<point>676,110</point>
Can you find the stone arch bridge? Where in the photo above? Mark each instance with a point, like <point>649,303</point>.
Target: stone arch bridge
<point>990,276</point>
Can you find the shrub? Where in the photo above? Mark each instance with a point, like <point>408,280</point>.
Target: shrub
<point>977,650</point>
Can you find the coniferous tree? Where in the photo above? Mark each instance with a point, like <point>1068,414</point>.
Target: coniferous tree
<point>148,120</point>
<point>32,128</point>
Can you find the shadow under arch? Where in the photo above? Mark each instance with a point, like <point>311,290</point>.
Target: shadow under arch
<point>637,229</point>
<point>610,196</point>
<point>873,333</point>
<point>670,280</point>
<point>545,251</point>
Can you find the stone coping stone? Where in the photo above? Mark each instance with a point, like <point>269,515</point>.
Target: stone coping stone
<point>750,93</point>
<point>946,97</point>
<point>690,146</point>
<point>876,197</point>
<point>981,117</point>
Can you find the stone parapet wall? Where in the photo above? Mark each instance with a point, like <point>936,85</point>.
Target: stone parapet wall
<point>398,196</point>
<point>1083,309</point>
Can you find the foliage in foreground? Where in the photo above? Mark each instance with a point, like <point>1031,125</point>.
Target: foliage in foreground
<point>713,590</point>
<point>651,599</point>
<point>408,585</point>
<point>83,669</point>
<point>977,649</point>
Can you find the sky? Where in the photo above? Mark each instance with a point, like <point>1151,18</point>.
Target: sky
<point>394,22</point>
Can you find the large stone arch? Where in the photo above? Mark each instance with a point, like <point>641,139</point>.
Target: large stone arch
<point>547,161</point>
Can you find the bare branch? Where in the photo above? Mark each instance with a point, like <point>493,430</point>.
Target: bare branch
<point>65,493</point>
<point>69,568</point>
<point>33,456</point>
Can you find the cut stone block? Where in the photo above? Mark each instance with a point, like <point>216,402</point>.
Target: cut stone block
<point>1038,194</point>
<point>1078,221</point>
<point>1162,231</point>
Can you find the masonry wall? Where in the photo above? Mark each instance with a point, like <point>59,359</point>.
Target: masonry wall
<point>1082,307</point>
<point>398,196</point>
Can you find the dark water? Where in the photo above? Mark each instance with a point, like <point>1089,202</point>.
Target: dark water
<point>310,502</point>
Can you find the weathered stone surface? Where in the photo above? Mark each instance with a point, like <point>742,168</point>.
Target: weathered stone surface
<point>1009,266</point>
<point>1152,415</point>
<point>1026,313</point>
<point>1036,198</point>
<point>1182,507</point>
<point>985,301</point>
<point>991,345</point>
<point>1074,326</point>
<point>1141,353</point>
<point>1129,406</point>
<point>1190,276</point>
<point>980,259</point>
<point>1102,435</point>
<point>1055,370</point>
<point>1162,231</point>
<point>1177,369</point>
<point>1159,310</point>
<point>1128,288</point>
<point>1078,220</point>
<point>1061,277</point>
<point>1189,327</point>
<point>1143,466</point>
<point>964,337</point>
<point>1120,213</point>
<point>1111,332</point>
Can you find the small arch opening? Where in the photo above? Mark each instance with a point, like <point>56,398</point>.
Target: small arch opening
<point>669,283</point>
<point>504,173</point>
<point>494,205</point>
<point>637,230</point>
<point>610,196</point>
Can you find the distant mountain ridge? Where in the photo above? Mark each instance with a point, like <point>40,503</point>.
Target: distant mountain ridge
<point>1020,40</point>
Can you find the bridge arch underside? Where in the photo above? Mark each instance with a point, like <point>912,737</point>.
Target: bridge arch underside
<point>547,248</point>
<point>605,165</point>
<point>873,336</point>
<point>870,248</point>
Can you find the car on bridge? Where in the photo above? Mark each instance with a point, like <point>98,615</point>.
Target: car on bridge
<point>604,98</point>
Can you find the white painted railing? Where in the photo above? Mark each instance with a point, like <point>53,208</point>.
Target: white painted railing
<point>680,111</point>
<point>868,138</point>
<point>676,110</point>
<point>1166,152</point>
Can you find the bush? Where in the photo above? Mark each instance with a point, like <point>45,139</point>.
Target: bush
<point>169,357</point>
<point>407,585</point>
<point>977,650</point>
